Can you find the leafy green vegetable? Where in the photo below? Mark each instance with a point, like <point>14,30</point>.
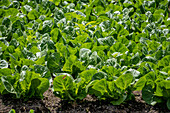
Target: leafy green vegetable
<point>124,81</point>
<point>26,83</point>
<point>3,64</point>
<point>63,86</point>
<point>147,95</point>
<point>105,48</point>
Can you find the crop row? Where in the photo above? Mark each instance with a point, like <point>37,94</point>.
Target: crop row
<point>106,48</point>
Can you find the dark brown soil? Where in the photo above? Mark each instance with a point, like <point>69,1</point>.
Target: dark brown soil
<point>52,104</point>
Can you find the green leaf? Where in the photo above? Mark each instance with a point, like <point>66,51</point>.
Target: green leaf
<point>153,45</point>
<point>150,77</point>
<point>133,72</point>
<point>38,87</point>
<point>111,87</point>
<point>5,71</point>
<point>140,84</point>
<point>89,87</point>
<point>159,89</point>
<point>28,62</point>
<point>77,68</point>
<point>112,72</point>
<point>8,86</point>
<point>28,55</point>
<point>33,14</point>
<point>118,47</point>
<point>99,76</point>
<point>165,61</point>
<point>135,59</point>
<point>99,48</point>
<point>40,61</point>
<point>62,49</point>
<point>17,25</point>
<point>4,3</point>
<point>146,67</point>
<point>3,46</point>
<point>87,74</point>
<point>6,21</point>
<point>12,12</point>
<point>44,85</point>
<point>55,33</point>
<point>166,84</point>
<point>3,30</point>
<point>80,88</point>
<point>149,59</point>
<point>69,63</point>
<point>106,41</point>
<point>148,94</point>
<point>124,81</point>
<point>44,71</point>
<point>63,85</point>
<point>56,2</point>
<point>166,69</point>
<point>123,40</point>
<point>34,50</point>
<point>53,62</point>
<point>94,58</point>
<point>101,86</point>
<point>121,99</point>
<point>84,54</point>
<point>3,64</point>
<point>28,76</point>
<point>33,88</point>
<point>111,62</point>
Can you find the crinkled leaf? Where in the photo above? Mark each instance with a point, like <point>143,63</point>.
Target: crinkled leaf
<point>121,99</point>
<point>100,86</point>
<point>3,64</point>
<point>133,72</point>
<point>164,61</point>
<point>99,76</point>
<point>124,81</point>
<point>63,84</point>
<point>148,94</point>
<point>33,14</point>
<point>140,83</point>
<point>118,47</point>
<point>8,86</point>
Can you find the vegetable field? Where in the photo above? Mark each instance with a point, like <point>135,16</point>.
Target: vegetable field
<point>104,48</point>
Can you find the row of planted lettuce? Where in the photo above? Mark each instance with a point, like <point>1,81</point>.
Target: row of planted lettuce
<point>106,48</point>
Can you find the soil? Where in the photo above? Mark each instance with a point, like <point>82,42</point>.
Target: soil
<point>52,104</point>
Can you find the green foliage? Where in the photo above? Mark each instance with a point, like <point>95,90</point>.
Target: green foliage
<point>124,81</point>
<point>107,50</point>
<point>63,85</point>
<point>26,85</point>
